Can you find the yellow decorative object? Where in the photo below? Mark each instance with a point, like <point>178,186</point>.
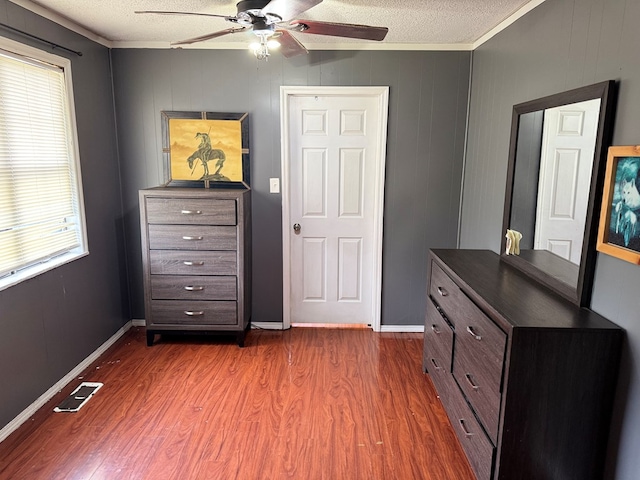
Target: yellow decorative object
<point>513,242</point>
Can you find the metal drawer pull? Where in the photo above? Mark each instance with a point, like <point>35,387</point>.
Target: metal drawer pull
<point>191,212</point>
<point>435,329</point>
<point>186,237</point>
<point>192,288</point>
<point>189,263</point>
<point>433,360</point>
<point>442,292</point>
<point>464,428</point>
<point>191,313</point>
<point>473,333</point>
<point>469,379</point>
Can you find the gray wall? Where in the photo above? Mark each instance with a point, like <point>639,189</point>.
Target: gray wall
<point>562,44</point>
<point>427,113</point>
<point>51,323</point>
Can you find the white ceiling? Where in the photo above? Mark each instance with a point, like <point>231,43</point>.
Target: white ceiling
<point>413,24</point>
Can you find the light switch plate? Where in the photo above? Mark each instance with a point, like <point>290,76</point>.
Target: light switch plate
<point>274,185</point>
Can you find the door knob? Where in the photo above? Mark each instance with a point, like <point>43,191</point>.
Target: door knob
<point>296,228</point>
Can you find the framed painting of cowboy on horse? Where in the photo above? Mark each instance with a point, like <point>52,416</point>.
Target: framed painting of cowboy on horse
<point>206,148</point>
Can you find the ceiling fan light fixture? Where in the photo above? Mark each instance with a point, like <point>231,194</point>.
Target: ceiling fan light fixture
<point>261,48</point>
<point>263,31</point>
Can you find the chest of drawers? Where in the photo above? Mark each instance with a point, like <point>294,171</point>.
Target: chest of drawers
<point>527,379</point>
<point>196,257</point>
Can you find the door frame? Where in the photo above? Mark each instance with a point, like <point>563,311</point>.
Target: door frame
<point>382,94</point>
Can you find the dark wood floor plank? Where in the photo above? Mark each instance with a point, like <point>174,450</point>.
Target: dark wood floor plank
<point>308,403</point>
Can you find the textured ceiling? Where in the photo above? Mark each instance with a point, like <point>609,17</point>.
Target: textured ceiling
<point>412,23</point>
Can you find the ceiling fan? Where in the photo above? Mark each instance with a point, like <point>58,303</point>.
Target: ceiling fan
<point>271,19</point>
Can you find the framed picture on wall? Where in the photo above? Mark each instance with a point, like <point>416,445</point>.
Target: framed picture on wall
<point>209,149</point>
<point>619,229</point>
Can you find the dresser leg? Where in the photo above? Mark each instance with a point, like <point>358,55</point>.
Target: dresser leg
<point>241,335</point>
<point>150,337</point>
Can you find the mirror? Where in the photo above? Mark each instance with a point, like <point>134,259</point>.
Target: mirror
<point>554,184</point>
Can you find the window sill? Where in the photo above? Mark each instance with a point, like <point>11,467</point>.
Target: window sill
<point>35,270</point>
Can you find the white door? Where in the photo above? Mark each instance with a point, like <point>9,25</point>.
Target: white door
<point>568,145</point>
<point>333,177</point>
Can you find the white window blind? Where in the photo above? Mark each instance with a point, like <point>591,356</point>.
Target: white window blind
<point>40,207</point>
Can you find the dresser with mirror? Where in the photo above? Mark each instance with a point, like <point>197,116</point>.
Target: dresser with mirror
<point>525,372</point>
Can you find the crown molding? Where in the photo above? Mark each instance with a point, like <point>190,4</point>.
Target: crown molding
<point>511,19</point>
<point>62,21</point>
<point>308,46</point>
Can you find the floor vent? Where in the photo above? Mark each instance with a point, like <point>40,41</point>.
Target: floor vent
<point>78,397</point>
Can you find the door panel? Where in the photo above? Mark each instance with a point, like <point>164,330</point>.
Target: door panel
<point>314,267</point>
<point>314,168</point>
<point>350,269</point>
<point>565,184</point>
<point>351,182</point>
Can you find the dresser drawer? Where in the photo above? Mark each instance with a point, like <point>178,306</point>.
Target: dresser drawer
<point>191,211</point>
<point>474,441</point>
<point>438,340</point>
<point>179,287</point>
<point>194,237</point>
<point>441,377</point>
<point>175,262</point>
<point>434,365</point>
<point>478,362</point>
<point>444,291</point>
<point>194,313</point>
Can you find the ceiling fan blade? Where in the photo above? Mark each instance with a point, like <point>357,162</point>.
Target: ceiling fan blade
<point>287,9</point>
<point>210,36</point>
<point>289,45</point>
<point>163,12</point>
<point>364,32</point>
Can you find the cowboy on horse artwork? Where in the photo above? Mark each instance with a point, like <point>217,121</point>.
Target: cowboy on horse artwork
<point>205,154</point>
<point>208,150</point>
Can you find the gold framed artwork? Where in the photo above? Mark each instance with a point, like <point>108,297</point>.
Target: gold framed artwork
<point>206,148</point>
<point>619,228</point>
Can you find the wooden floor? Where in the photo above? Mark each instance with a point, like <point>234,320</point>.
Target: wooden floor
<point>306,403</point>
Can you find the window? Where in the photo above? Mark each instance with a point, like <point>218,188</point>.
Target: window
<point>41,213</point>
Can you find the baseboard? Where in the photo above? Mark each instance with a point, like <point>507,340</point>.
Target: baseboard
<point>402,328</point>
<point>383,328</point>
<point>268,325</point>
<point>13,425</point>
<point>138,322</point>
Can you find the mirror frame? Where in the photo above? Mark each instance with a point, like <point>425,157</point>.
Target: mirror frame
<point>579,294</point>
